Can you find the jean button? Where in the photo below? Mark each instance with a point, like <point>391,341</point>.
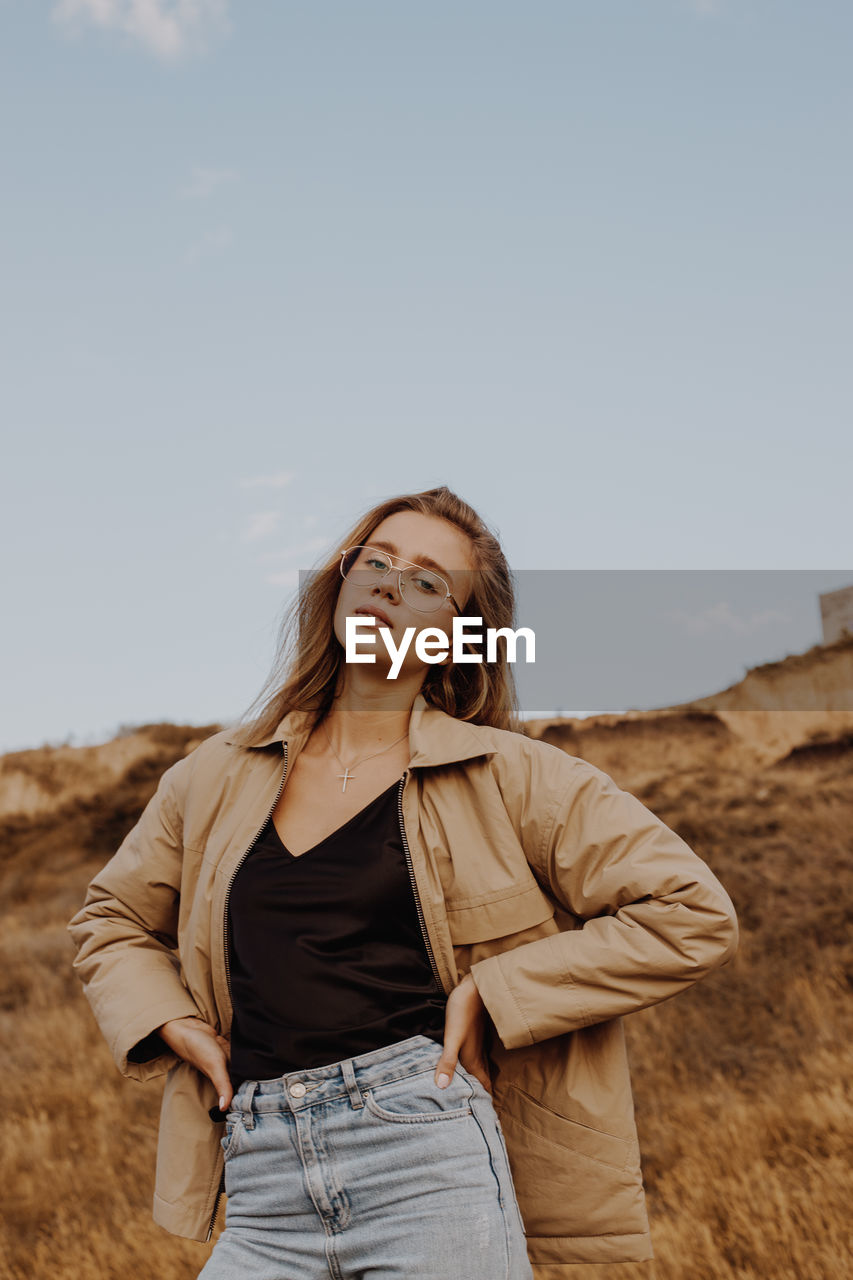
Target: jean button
<point>297,1089</point>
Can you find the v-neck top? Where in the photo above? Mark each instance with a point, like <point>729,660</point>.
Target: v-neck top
<point>326,955</point>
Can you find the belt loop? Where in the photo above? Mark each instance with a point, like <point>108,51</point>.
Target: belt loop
<point>246,1106</point>
<point>352,1088</point>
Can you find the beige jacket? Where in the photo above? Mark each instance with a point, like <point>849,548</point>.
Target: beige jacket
<point>567,899</point>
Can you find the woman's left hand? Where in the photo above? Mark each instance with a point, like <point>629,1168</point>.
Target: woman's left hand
<point>464,1034</point>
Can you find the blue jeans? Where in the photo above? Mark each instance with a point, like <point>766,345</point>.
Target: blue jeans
<point>366,1169</point>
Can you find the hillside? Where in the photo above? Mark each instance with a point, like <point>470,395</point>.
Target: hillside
<point>801,704</point>
<point>742,1085</point>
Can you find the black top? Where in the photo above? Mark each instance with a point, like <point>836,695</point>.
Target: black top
<point>326,955</point>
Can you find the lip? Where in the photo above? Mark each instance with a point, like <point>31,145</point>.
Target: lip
<point>375,613</point>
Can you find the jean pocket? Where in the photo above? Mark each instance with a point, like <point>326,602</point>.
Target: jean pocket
<point>417,1099</point>
<point>474,1081</point>
<point>232,1134</point>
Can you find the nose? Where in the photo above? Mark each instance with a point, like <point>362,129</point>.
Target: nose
<point>389,586</point>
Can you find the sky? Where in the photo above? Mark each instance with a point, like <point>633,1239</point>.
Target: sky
<point>264,265</point>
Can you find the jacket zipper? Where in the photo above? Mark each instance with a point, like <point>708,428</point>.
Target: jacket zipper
<point>225,937</point>
<point>417,897</point>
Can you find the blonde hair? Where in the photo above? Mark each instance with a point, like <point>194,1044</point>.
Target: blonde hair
<point>309,656</point>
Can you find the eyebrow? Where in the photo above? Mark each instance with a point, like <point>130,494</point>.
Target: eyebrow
<point>423,562</point>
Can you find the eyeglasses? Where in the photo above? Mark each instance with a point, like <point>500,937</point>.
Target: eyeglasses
<point>421,589</point>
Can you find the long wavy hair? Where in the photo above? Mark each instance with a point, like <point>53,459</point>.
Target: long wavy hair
<point>309,657</point>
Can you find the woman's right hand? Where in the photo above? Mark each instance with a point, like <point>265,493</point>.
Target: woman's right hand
<point>198,1043</point>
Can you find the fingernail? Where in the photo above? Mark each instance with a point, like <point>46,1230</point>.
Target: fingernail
<point>222,1102</point>
<point>443,1081</point>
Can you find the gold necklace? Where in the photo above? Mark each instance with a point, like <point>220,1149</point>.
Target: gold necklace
<point>347,774</point>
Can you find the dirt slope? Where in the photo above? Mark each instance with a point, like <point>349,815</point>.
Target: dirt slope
<point>804,702</point>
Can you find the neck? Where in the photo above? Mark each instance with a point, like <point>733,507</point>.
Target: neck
<point>366,713</point>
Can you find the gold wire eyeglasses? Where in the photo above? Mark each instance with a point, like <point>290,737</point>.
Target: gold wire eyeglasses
<point>421,589</point>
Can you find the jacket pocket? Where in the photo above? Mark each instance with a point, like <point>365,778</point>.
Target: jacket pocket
<point>541,1121</point>
<point>485,919</point>
<point>570,1179</point>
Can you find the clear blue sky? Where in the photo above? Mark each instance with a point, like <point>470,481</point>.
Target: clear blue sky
<point>263,264</point>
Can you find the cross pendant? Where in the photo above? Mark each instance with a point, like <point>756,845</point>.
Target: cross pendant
<point>346,775</point>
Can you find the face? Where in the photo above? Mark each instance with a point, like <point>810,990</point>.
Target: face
<point>426,541</point>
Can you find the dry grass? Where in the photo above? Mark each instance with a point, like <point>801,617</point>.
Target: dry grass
<point>742,1086</point>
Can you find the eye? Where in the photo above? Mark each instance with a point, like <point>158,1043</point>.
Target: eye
<point>376,562</point>
<point>425,584</point>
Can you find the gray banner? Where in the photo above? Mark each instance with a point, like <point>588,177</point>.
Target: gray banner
<point>615,640</point>
<point>619,640</point>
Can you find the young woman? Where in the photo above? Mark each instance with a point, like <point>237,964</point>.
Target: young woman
<point>382,943</point>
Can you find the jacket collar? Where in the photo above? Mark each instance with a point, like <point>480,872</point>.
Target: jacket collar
<point>435,738</point>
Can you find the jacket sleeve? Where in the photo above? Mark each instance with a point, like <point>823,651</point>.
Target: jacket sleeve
<point>126,934</point>
<point>652,916</point>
